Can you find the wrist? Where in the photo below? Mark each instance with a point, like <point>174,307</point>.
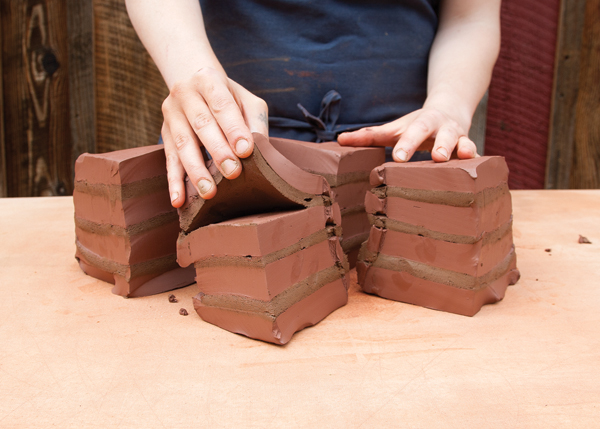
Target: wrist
<point>453,106</point>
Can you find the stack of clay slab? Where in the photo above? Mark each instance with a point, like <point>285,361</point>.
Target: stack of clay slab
<point>266,248</point>
<point>441,234</point>
<point>347,170</point>
<point>125,225</point>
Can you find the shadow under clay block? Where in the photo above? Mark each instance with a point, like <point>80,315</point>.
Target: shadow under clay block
<point>126,229</point>
<point>441,234</point>
<point>263,272</point>
<point>347,171</point>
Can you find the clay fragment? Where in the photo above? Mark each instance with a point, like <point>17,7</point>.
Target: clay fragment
<point>268,182</point>
<point>347,170</point>
<point>441,234</point>
<point>584,240</point>
<point>126,229</point>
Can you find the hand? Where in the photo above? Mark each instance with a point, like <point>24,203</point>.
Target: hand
<point>424,129</point>
<point>209,110</point>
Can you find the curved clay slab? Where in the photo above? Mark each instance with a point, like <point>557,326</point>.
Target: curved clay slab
<point>269,182</point>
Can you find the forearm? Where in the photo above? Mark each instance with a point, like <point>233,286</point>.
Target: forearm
<point>174,35</point>
<point>463,56</point>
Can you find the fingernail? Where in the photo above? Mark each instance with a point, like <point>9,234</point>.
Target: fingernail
<point>402,155</point>
<point>228,166</point>
<point>242,146</point>
<point>174,196</point>
<point>204,186</point>
<point>442,151</point>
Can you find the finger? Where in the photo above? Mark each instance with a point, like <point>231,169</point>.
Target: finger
<point>218,94</point>
<point>254,110</point>
<point>175,173</point>
<point>381,135</point>
<point>466,148</point>
<point>445,142</point>
<point>181,143</point>
<point>418,132</point>
<point>206,129</point>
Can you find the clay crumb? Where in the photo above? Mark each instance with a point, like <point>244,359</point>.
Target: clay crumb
<point>183,312</point>
<point>548,250</point>
<point>584,240</point>
<point>172,298</point>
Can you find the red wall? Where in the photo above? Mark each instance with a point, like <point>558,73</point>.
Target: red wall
<point>521,90</point>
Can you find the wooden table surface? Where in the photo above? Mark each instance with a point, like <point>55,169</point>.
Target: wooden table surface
<point>72,355</point>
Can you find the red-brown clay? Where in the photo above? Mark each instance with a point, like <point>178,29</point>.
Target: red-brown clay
<point>125,226</point>
<point>268,182</point>
<point>441,234</point>
<point>347,170</point>
<point>261,271</point>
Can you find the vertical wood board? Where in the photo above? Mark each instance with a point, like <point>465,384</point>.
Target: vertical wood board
<point>2,141</point>
<point>521,90</point>
<point>566,87</point>
<point>585,170</point>
<point>129,88</point>
<point>35,80</point>
<point>80,24</point>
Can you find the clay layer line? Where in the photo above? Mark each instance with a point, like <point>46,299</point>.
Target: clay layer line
<point>384,222</point>
<point>272,309</point>
<point>129,272</point>
<point>439,275</point>
<point>263,261</point>
<point>132,230</point>
<point>448,198</point>
<point>123,192</point>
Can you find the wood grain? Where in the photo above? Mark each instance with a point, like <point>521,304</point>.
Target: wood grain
<point>566,87</point>
<point>35,82</point>
<point>521,90</point>
<point>2,141</point>
<point>129,89</point>
<point>80,24</point>
<point>585,170</point>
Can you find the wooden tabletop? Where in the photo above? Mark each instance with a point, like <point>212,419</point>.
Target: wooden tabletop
<point>72,355</point>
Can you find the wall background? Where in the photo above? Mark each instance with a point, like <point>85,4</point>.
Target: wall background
<point>75,78</point>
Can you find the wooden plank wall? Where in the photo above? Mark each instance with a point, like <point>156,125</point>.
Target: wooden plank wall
<point>36,142</point>
<point>521,90</point>
<point>82,99</point>
<point>3,192</point>
<point>574,143</point>
<point>129,88</point>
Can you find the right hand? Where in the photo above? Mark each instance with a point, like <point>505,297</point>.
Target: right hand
<point>209,110</point>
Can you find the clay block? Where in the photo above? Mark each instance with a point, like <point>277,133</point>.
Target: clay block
<point>347,170</point>
<point>126,229</point>
<point>266,249</point>
<point>268,276</point>
<point>441,234</point>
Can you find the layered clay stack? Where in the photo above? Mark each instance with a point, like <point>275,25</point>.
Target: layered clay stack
<point>125,225</point>
<point>266,248</point>
<point>347,171</point>
<point>441,234</point>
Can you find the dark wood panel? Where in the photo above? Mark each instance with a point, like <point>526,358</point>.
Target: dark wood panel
<point>585,171</point>
<point>129,88</point>
<point>2,141</point>
<point>36,114</point>
<point>521,90</point>
<point>566,87</point>
<point>80,24</point>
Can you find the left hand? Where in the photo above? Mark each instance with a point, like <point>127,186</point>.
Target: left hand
<point>428,128</point>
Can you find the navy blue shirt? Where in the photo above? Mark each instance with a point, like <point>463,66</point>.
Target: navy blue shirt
<point>368,57</point>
